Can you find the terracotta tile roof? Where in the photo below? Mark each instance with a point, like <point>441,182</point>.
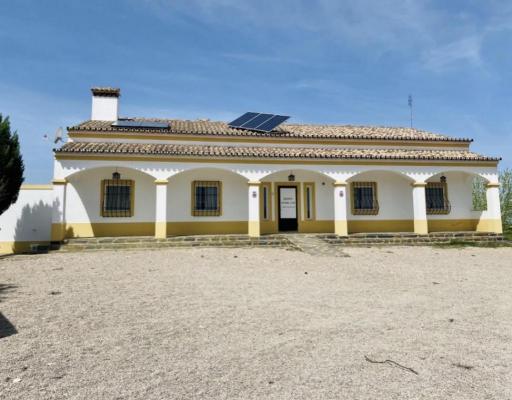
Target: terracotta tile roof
<point>185,150</point>
<point>106,91</point>
<point>216,128</point>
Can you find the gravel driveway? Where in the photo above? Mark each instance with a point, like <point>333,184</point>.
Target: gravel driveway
<point>257,324</point>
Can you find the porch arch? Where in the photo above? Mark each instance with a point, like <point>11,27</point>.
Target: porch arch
<point>461,215</point>
<point>394,196</point>
<point>233,217</point>
<point>314,199</point>
<point>81,196</point>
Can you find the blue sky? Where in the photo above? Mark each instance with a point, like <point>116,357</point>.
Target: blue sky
<point>327,61</point>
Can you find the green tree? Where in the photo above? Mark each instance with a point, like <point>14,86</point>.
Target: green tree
<point>480,202</point>
<point>506,196</point>
<point>479,197</point>
<point>11,165</point>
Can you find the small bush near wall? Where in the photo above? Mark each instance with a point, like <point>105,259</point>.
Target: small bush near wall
<point>507,232</point>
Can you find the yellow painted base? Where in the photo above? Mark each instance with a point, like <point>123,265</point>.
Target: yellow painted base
<point>421,226</point>
<point>385,225</point>
<point>265,227</point>
<point>109,229</point>
<point>160,230</point>
<point>58,232</point>
<point>341,228</point>
<point>452,225</point>
<point>320,226</point>
<point>490,225</point>
<point>206,228</point>
<point>254,228</point>
<point>18,247</point>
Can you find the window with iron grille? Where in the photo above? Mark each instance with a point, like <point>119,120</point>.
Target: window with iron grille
<point>206,198</point>
<point>117,198</point>
<point>364,198</point>
<point>436,196</point>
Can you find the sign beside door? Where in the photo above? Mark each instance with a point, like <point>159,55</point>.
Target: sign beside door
<point>288,208</point>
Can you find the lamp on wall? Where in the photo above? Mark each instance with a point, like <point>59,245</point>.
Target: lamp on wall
<point>443,179</point>
<point>116,176</point>
<point>291,177</point>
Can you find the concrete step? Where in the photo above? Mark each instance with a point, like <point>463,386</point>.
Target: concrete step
<point>411,239</point>
<point>146,242</point>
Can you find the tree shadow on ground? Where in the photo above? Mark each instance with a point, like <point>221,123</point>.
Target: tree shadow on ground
<point>4,289</point>
<point>6,327</point>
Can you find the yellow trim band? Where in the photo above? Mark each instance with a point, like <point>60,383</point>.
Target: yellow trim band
<point>254,228</point>
<point>28,186</point>
<point>421,226</point>
<point>160,230</point>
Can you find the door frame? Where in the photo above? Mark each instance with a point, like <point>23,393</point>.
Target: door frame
<point>298,197</point>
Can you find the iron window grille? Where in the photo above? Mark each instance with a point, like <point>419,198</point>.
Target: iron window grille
<point>364,198</point>
<point>117,198</point>
<point>206,198</point>
<point>436,196</point>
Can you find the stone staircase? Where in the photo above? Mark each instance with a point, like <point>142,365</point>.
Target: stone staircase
<point>412,239</point>
<point>148,242</point>
<point>313,244</point>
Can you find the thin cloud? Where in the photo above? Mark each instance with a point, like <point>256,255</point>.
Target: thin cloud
<point>466,50</point>
<point>429,33</point>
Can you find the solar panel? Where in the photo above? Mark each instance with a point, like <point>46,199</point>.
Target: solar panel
<point>243,119</point>
<point>272,123</point>
<point>140,124</point>
<point>258,121</point>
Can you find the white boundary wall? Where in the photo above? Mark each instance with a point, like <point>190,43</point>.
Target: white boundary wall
<point>28,220</point>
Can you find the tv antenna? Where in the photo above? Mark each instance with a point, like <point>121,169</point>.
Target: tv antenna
<point>409,101</point>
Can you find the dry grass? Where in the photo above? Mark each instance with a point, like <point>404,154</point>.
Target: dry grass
<point>251,324</point>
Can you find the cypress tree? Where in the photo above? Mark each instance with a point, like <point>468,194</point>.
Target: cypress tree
<point>11,165</point>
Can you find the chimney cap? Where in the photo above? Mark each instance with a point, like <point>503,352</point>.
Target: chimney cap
<point>106,91</point>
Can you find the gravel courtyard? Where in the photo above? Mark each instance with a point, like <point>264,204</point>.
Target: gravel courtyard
<point>257,324</point>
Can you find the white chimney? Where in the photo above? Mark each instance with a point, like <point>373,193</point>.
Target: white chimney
<point>105,103</point>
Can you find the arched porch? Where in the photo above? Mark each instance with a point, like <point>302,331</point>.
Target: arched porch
<point>247,199</point>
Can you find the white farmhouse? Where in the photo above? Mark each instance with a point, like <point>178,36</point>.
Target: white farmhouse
<point>143,176</point>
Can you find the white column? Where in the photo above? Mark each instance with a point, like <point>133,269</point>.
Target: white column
<point>254,208</point>
<point>491,221</point>
<point>59,210</point>
<point>420,208</point>
<point>161,208</point>
<point>340,208</point>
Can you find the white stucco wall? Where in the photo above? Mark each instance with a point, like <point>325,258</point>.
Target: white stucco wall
<point>393,183</point>
<point>394,194</point>
<point>29,219</point>
<point>460,196</point>
<point>83,196</point>
<point>234,195</point>
<point>323,191</point>
<point>104,108</point>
